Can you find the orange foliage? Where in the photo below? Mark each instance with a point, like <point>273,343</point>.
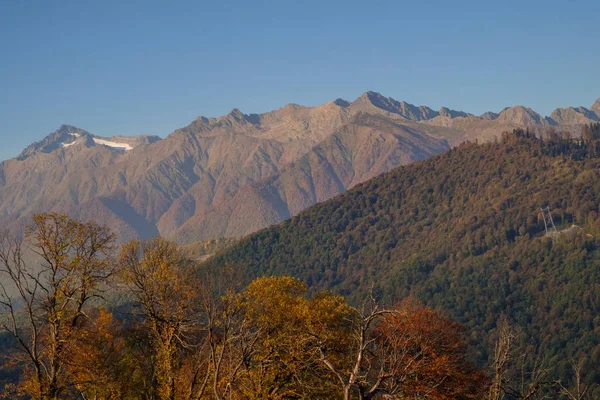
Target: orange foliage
<point>425,355</point>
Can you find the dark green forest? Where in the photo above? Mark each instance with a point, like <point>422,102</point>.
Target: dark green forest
<point>463,233</point>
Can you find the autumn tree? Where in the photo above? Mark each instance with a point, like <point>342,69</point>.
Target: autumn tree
<point>321,347</point>
<point>47,302</point>
<point>162,282</point>
<point>407,351</point>
<point>284,363</point>
<point>97,358</point>
<point>421,354</point>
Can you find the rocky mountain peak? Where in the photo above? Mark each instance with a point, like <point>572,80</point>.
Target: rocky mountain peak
<point>67,135</point>
<point>372,100</point>
<point>69,129</point>
<point>572,116</point>
<point>64,135</point>
<point>446,112</point>
<point>237,114</point>
<point>490,116</point>
<point>373,97</point>
<point>341,102</point>
<point>369,100</point>
<point>237,118</point>
<point>291,107</point>
<point>596,108</point>
<point>521,115</point>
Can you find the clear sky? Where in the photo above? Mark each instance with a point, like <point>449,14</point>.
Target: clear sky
<point>149,67</point>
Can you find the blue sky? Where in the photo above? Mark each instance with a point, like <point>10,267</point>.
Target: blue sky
<point>149,67</point>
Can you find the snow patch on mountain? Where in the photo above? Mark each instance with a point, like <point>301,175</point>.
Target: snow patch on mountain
<point>115,145</point>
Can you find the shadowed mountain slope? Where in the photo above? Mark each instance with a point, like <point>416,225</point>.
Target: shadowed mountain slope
<point>360,150</point>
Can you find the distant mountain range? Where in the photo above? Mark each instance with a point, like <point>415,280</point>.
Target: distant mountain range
<point>233,175</point>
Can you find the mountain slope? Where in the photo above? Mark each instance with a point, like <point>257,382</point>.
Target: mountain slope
<point>360,150</point>
<point>235,174</point>
<point>143,188</point>
<point>462,231</point>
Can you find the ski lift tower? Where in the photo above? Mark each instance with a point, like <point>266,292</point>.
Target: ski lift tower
<point>548,222</point>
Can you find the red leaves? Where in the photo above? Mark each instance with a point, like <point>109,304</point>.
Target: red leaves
<point>424,354</point>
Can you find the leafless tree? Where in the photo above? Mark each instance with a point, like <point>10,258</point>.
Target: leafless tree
<point>44,304</point>
<point>355,379</point>
<point>229,341</point>
<point>579,391</point>
<point>519,370</point>
<point>503,350</point>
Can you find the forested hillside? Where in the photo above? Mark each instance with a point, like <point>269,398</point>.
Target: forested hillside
<point>463,232</point>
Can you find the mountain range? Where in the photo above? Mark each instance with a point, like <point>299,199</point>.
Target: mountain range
<point>233,175</point>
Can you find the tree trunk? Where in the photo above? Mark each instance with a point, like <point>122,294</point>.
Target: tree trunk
<point>347,392</point>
